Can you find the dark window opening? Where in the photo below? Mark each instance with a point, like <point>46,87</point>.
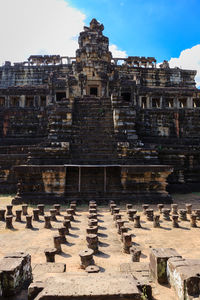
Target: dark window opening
<point>60,96</point>
<point>29,101</point>
<point>196,102</point>
<point>183,103</point>
<point>169,102</point>
<point>144,102</point>
<point>14,102</point>
<point>94,91</point>
<point>2,101</point>
<point>126,96</point>
<point>43,101</point>
<point>155,102</point>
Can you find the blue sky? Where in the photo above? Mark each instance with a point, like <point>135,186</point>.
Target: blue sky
<point>160,28</point>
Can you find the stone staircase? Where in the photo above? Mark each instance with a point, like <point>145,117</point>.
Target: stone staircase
<point>130,148</point>
<point>93,139</point>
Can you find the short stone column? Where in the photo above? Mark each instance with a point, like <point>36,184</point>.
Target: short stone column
<point>193,220</point>
<point>57,208</point>
<point>69,211</point>
<point>149,214</point>
<point>92,242</point>
<point>24,209</point>
<point>53,214</point>
<point>50,254</point>
<point>92,230</point>
<point>128,206</point>
<point>92,211</point>
<point>123,230</point>
<point>160,206</point>
<point>73,206</point>
<point>131,213</point>
<point>93,222</point>
<point>18,213</point>
<point>110,203</point>
<point>127,242</point>
<point>183,214</point>
<point>9,224</point>
<point>9,210</point>
<point>29,222</point>
<point>36,214</point>
<point>166,214</point>
<point>47,222</point>
<point>86,257</point>
<point>120,224</point>
<point>116,217</point>
<point>116,210</point>
<point>197,212</point>
<point>175,221</point>
<point>57,243</point>
<point>174,208</point>
<point>2,214</point>
<point>41,209</point>
<point>92,216</point>
<point>61,232</point>
<point>188,207</point>
<point>92,202</point>
<point>135,253</point>
<point>67,225</point>
<point>145,207</point>
<point>68,218</point>
<point>112,206</point>
<point>137,221</point>
<point>156,221</point>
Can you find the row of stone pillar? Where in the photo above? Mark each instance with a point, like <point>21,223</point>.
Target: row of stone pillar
<point>125,237</point>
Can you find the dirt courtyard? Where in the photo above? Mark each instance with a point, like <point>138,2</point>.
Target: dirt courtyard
<point>185,240</point>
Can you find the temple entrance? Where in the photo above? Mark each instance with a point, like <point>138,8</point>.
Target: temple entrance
<point>94,91</point>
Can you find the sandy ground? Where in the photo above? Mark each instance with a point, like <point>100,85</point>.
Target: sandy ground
<point>185,240</point>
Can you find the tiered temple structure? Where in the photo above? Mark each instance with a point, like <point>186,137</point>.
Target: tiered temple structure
<point>97,127</point>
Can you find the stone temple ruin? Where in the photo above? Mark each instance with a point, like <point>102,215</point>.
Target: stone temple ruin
<point>97,127</point>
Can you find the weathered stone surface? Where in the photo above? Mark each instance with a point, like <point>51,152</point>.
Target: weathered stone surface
<point>158,263</point>
<point>49,268</point>
<point>16,272</point>
<point>184,277</point>
<point>95,286</point>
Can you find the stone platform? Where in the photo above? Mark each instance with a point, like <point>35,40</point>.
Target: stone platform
<point>62,183</point>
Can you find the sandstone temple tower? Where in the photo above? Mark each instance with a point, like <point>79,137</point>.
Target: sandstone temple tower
<point>98,127</point>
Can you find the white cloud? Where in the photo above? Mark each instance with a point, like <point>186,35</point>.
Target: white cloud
<point>116,52</point>
<point>188,59</point>
<point>29,27</point>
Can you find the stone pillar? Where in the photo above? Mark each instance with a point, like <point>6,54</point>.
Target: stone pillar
<point>174,208</point>
<point>137,222</point>
<point>92,241</point>
<point>175,221</point>
<point>131,214</point>
<point>183,214</point>
<point>93,222</point>
<point>9,224</point>
<point>188,207</point>
<point>2,214</point>
<point>123,230</point>
<point>86,257</point>
<point>18,215</point>
<point>24,209</point>
<point>128,206</point>
<point>149,214</point>
<point>29,222</point>
<point>61,231</point>
<point>41,209</point>
<point>166,214</point>
<point>193,220</point>
<point>127,242</point>
<point>9,210</point>
<point>57,244</point>
<point>67,225</point>
<point>145,207</point>
<point>53,214</point>
<point>57,208</point>
<point>47,224</point>
<point>50,254</point>
<point>156,221</point>
<point>36,214</point>
<point>160,207</point>
<point>120,224</point>
<point>135,253</point>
